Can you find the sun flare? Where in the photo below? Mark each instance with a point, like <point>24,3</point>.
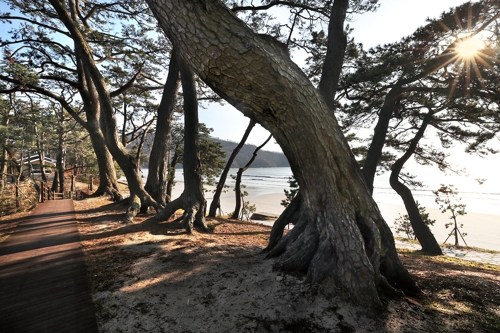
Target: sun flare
<point>470,47</point>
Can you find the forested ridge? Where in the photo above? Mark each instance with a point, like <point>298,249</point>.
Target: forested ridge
<point>264,159</point>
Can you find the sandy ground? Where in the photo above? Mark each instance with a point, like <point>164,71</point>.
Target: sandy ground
<point>152,277</point>
<point>483,230</point>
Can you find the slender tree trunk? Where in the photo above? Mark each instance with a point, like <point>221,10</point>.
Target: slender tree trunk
<point>192,199</point>
<point>239,174</point>
<point>171,176</point>
<point>380,132</point>
<point>342,240</point>
<point>5,153</point>
<point>60,155</point>
<point>157,181</point>
<point>422,232</point>
<point>390,108</point>
<point>337,43</point>
<point>222,181</point>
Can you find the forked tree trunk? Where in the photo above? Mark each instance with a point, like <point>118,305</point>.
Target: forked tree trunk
<point>422,231</point>
<point>341,240</point>
<point>239,175</point>
<point>192,199</point>
<point>108,182</point>
<point>222,180</point>
<point>157,181</point>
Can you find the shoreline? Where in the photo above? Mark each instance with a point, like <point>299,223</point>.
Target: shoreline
<point>482,229</point>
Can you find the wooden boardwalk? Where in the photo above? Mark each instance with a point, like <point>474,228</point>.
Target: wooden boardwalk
<point>43,279</point>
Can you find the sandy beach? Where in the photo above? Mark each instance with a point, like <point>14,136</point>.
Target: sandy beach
<point>483,230</point>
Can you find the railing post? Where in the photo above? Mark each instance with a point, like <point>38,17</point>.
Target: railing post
<point>42,192</point>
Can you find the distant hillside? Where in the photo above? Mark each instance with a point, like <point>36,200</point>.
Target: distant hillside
<point>264,159</point>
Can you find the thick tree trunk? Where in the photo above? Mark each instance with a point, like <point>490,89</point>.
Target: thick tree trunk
<point>55,182</point>
<point>341,240</point>
<point>157,181</point>
<point>222,180</point>
<point>239,174</point>
<point>422,232</point>
<point>330,75</point>
<point>108,182</point>
<point>192,199</point>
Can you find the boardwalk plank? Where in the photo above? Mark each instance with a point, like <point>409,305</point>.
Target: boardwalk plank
<point>43,282</point>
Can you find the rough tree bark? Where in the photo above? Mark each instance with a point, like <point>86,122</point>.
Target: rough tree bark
<point>328,85</point>
<point>341,240</point>
<point>422,231</point>
<point>108,182</point>
<point>192,199</point>
<point>222,180</point>
<point>157,181</point>
<point>239,174</point>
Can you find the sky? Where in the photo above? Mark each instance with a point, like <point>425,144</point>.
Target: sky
<point>392,21</point>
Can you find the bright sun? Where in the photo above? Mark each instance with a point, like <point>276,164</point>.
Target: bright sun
<point>469,47</point>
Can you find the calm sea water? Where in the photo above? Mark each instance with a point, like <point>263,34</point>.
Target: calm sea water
<point>477,198</point>
<point>483,230</point>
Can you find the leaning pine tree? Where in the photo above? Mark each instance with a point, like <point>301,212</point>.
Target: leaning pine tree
<point>341,240</point>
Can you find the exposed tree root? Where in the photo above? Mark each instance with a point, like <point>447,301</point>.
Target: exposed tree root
<point>110,190</point>
<point>303,250</point>
<point>194,212</point>
<point>290,215</point>
<point>140,202</point>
